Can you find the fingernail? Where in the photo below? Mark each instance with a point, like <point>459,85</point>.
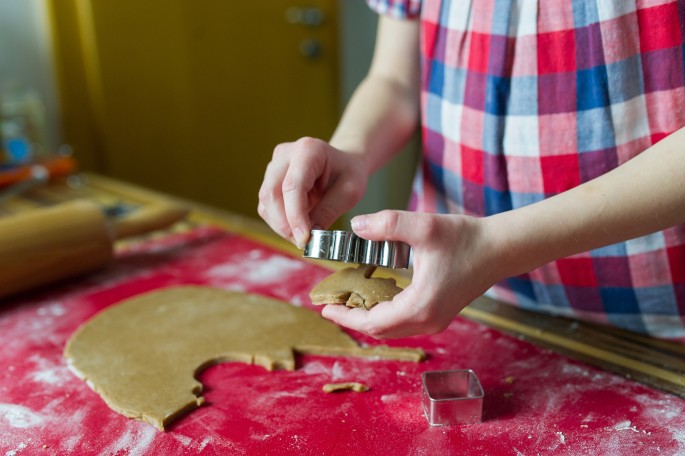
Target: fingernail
<point>300,237</point>
<point>359,223</point>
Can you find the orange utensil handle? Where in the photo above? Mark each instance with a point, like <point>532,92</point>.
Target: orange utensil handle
<point>57,166</point>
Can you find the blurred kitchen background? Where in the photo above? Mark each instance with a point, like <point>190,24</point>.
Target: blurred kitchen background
<point>188,97</point>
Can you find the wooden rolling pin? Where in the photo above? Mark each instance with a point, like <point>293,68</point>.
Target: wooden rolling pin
<point>44,246</point>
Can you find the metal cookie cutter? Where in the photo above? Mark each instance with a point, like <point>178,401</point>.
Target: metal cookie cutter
<point>350,248</point>
<point>452,397</point>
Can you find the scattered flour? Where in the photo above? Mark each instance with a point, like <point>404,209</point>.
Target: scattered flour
<point>562,437</point>
<point>69,443</point>
<point>19,416</point>
<point>390,398</point>
<point>48,372</point>
<point>256,271</point>
<point>54,309</point>
<point>14,452</point>
<point>260,437</point>
<point>679,436</point>
<point>315,367</point>
<point>297,301</point>
<point>206,441</point>
<point>134,441</point>
<point>51,376</point>
<point>574,369</point>
<point>338,371</point>
<point>183,440</point>
<point>625,426</point>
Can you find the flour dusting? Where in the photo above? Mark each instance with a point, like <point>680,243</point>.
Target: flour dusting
<point>48,372</point>
<point>134,441</point>
<point>679,436</point>
<point>18,416</point>
<point>575,369</point>
<point>666,411</point>
<point>297,301</point>
<point>69,443</point>
<point>390,398</point>
<point>338,371</point>
<point>256,270</point>
<point>625,426</point>
<point>52,309</point>
<point>183,440</point>
<point>204,443</point>
<point>262,437</point>
<point>14,452</point>
<point>314,368</point>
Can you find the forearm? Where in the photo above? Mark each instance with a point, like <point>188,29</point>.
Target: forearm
<point>378,121</point>
<point>642,196</point>
<point>383,113</point>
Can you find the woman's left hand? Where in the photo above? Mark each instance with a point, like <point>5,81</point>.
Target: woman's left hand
<point>452,266</point>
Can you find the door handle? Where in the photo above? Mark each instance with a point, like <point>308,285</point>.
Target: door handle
<point>311,49</point>
<point>307,16</point>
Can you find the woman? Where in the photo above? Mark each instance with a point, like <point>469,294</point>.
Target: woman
<point>553,172</point>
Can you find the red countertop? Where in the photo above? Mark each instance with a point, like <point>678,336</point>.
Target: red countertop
<point>536,401</point>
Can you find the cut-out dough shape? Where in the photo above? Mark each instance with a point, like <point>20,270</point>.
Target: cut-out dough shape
<point>345,386</point>
<point>141,355</point>
<point>354,287</point>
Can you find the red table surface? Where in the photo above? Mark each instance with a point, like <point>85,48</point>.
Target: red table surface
<point>536,401</point>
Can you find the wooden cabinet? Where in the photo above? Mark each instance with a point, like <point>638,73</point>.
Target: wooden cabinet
<point>191,96</point>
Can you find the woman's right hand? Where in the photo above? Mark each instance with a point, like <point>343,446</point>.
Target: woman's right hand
<point>307,184</point>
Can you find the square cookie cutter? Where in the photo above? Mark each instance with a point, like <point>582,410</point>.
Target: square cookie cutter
<point>452,397</point>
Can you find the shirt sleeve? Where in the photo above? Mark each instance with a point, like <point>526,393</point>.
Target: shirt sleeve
<point>399,9</point>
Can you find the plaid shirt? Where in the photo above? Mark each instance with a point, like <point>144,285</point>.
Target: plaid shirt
<point>523,99</point>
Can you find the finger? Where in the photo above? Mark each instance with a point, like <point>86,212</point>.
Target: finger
<point>385,320</point>
<point>340,198</point>
<point>297,184</point>
<point>370,322</point>
<point>270,206</point>
<point>408,227</point>
<point>275,218</point>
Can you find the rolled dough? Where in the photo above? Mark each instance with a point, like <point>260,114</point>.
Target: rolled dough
<point>354,287</point>
<point>141,355</point>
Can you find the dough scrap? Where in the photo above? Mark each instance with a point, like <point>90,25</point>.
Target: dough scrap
<point>141,355</point>
<point>354,287</point>
<point>345,386</point>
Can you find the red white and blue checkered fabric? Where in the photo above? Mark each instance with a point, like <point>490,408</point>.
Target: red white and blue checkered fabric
<point>523,99</point>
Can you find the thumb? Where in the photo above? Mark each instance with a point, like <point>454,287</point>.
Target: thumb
<point>390,226</point>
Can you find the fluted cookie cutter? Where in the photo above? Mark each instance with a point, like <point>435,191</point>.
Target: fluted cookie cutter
<point>452,397</point>
<point>345,246</point>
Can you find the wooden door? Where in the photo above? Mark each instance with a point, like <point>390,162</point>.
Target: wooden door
<point>191,96</point>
